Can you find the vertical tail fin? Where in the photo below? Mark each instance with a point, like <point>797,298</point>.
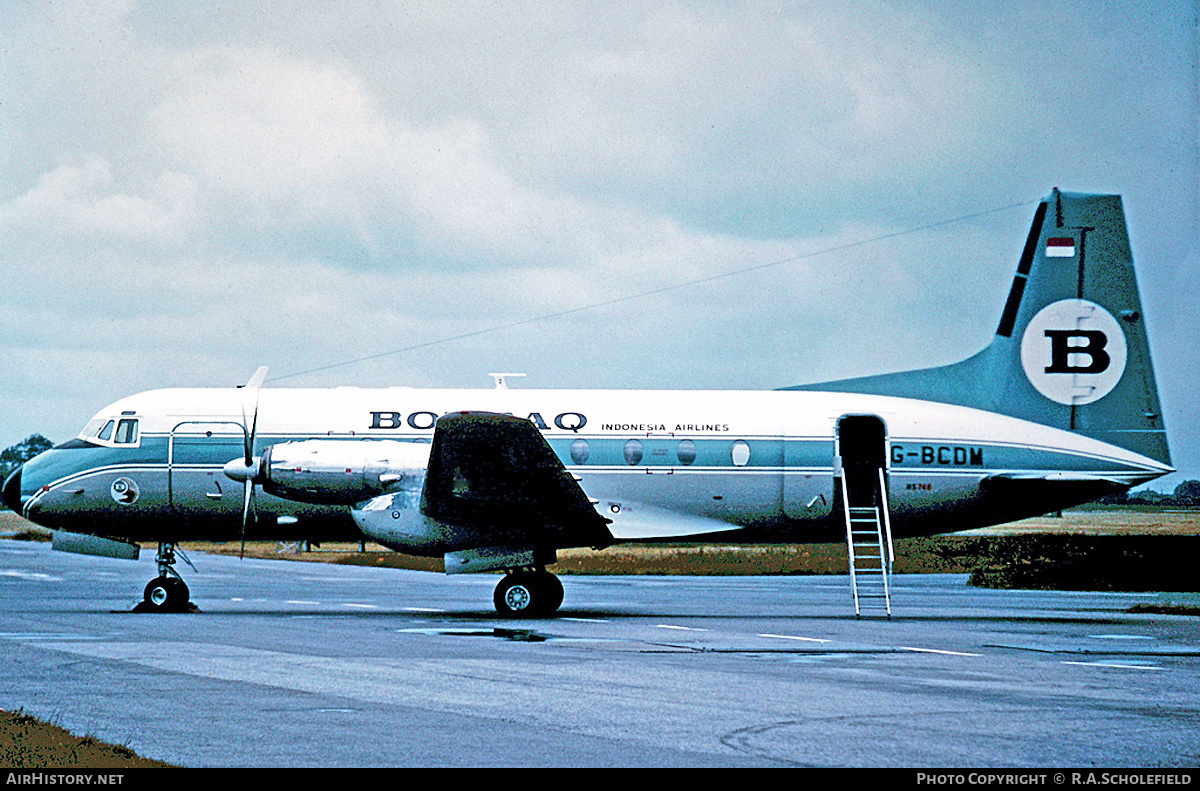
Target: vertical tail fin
<point>1071,348</point>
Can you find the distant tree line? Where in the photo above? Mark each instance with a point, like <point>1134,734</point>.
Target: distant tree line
<point>1186,494</point>
<point>16,455</point>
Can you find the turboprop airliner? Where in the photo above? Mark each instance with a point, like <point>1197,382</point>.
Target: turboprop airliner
<point>1059,409</point>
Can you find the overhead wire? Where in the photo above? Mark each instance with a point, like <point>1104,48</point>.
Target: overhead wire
<point>659,290</point>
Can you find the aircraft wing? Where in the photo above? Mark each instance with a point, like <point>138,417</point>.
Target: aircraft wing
<point>496,474</point>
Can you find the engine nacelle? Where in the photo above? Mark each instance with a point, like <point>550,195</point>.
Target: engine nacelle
<point>342,472</point>
<point>395,521</point>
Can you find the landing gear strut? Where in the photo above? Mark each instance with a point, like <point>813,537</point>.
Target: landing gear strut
<point>526,593</point>
<point>167,592</point>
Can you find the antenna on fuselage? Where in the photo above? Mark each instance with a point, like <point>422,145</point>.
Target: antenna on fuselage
<point>502,379</point>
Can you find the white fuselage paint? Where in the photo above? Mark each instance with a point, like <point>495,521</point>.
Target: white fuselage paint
<point>659,464</point>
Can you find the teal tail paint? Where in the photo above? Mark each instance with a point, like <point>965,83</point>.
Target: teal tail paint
<point>1071,348</point>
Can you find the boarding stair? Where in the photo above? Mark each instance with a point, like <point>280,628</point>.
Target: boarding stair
<point>868,540</point>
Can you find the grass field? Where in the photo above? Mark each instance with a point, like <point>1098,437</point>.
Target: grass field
<point>957,553</point>
<point>29,743</point>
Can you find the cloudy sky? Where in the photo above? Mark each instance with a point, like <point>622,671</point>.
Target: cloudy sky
<point>633,194</point>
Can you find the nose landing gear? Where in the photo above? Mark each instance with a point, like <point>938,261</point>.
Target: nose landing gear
<point>167,592</point>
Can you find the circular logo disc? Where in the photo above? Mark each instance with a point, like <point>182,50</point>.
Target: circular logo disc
<point>1073,352</point>
<point>124,491</point>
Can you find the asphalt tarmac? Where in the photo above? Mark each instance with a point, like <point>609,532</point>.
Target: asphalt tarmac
<point>293,664</point>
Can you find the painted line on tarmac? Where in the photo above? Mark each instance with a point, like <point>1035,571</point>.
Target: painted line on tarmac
<point>936,651</point>
<point>795,637</point>
<point>35,576</point>
<point>1118,665</point>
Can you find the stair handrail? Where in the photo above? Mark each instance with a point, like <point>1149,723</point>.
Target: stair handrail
<point>887,519</point>
<point>849,540</point>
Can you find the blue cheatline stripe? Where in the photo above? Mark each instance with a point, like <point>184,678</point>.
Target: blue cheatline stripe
<point>775,454</point>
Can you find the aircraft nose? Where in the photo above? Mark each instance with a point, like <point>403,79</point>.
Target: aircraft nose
<point>12,491</point>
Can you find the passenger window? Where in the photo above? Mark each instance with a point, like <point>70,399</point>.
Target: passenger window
<point>127,432</point>
<point>106,432</point>
<point>686,452</point>
<point>741,453</point>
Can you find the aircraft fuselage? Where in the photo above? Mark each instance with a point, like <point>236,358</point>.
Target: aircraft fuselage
<point>660,465</point>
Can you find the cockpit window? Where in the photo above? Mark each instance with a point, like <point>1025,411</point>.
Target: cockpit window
<point>127,432</point>
<point>118,431</point>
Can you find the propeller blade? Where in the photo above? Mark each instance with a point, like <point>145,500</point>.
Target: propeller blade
<point>247,440</point>
<point>250,432</point>
<point>259,375</point>
<point>246,514</point>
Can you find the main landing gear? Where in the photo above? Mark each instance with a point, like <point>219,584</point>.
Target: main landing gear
<point>167,592</point>
<point>528,593</point>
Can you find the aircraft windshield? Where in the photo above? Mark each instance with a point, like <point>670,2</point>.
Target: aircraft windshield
<point>116,431</point>
<point>127,432</point>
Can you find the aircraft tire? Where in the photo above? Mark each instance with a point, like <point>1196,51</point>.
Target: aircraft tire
<point>517,595</point>
<point>166,594</point>
<point>551,592</point>
<point>528,594</point>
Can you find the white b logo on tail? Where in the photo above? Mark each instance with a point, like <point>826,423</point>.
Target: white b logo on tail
<point>1073,352</point>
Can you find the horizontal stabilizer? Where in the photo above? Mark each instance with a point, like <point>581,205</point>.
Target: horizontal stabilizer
<point>1044,492</point>
<point>1057,477</point>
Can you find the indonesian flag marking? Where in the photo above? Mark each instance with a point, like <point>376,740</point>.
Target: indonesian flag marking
<point>1060,247</point>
